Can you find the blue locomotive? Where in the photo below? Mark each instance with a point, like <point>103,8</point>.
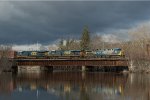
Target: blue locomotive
<point>101,53</point>
<point>31,54</point>
<point>116,52</point>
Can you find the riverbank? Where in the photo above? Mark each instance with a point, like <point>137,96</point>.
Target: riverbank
<point>139,66</point>
<point>5,65</point>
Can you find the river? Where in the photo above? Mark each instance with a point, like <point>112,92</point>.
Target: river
<point>74,86</point>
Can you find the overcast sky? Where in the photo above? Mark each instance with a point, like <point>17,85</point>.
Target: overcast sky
<point>27,22</point>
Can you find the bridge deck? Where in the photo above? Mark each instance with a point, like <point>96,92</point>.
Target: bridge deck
<point>73,62</point>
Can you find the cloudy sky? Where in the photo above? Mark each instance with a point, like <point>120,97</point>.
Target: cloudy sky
<point>26,22</point>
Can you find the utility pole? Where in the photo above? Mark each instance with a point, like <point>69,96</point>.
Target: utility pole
<point>148,49</point>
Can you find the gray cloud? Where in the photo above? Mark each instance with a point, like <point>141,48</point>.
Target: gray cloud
<point>46,21</point>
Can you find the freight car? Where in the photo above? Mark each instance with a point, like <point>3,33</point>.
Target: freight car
<point>101,53</point>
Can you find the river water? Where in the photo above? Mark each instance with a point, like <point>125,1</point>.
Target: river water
<point>74,86</point>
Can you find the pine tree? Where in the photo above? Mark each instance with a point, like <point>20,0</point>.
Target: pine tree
<point>85,39</point>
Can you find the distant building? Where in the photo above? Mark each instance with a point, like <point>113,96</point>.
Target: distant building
<point>64,42</point>
<point>52,47</point>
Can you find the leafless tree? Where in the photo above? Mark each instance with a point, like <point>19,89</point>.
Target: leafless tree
<point>4,55</point>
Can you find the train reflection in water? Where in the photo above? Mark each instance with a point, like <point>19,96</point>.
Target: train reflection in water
<point>72,85</point>
<point>75,86</point>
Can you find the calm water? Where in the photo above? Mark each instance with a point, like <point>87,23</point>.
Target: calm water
<point>74,86</point>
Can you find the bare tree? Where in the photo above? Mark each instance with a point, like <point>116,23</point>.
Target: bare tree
<point>96,42</point>
<point>4,57</point>
<point>136,49</point>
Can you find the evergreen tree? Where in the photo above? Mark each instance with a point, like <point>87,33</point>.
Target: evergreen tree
<point>85,39</point>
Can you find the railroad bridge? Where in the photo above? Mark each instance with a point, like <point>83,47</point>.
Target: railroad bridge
<point>102,64</point>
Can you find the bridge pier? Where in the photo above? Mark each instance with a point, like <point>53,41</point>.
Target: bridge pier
<point>14,69</point>
<point>83,68</point>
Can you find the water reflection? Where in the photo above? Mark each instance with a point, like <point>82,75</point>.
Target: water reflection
<point>74,86</point>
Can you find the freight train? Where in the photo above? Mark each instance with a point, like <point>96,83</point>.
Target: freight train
<point>99,53</point>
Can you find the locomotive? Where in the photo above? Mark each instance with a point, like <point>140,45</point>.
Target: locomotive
<point>99,53</point>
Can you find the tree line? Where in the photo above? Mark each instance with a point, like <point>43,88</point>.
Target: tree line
<point>137,49</point>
